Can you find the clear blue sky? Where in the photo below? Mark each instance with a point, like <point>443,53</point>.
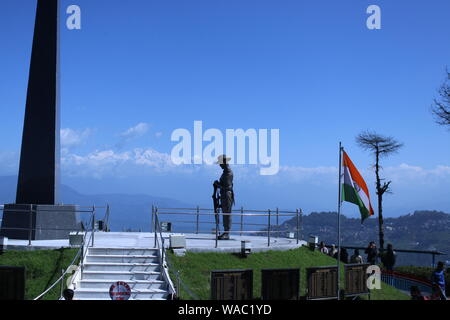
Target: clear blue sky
<point>309,68</point>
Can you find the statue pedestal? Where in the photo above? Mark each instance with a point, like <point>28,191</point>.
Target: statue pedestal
<point>48,222</point>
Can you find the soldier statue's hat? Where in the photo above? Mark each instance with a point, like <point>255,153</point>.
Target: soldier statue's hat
<point>223,159</point>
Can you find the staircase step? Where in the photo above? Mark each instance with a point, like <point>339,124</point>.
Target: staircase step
<point>122,258</point>
<point>112,266</point>
<point>134,284</point>
<point>121,275</point>
<point>122,251</point>
<point>139,267</point>
<point>99,294</point>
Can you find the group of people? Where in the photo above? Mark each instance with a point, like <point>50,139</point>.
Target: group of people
<point>371,251</point>
<point>388,257</point>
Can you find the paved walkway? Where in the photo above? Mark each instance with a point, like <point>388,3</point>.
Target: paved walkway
<point>194,242</point>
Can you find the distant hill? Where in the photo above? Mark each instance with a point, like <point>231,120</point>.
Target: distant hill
<point>128,212</point>
<point>422,230</point>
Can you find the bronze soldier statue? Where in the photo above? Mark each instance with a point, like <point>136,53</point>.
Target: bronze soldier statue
<point>225,185</point>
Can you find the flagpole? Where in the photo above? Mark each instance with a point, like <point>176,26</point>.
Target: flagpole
<point>339,225</point>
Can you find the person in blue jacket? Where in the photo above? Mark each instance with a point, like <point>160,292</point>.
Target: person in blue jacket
<point>438,280</point>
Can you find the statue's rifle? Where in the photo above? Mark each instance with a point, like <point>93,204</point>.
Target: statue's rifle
<point>215,197</point>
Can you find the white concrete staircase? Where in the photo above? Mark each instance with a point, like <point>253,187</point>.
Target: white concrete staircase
<point>138,267</point>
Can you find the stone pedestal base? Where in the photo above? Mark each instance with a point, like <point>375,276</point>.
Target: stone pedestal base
<point>48,222</point>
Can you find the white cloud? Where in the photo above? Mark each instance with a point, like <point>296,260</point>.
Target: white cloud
<point>152,158</point>
<point>407,174</point>
<point>135,132</point>
<point>71,138</point>
<point>145,162</point>
<point>403,175</point>
<point>101,163</point>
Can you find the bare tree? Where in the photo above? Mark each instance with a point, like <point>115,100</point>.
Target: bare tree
<point>380,146</point>
<point>441,106</point>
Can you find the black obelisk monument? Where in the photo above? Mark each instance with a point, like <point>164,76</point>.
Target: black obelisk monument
<point>39,158</point>
<point>38,183</point>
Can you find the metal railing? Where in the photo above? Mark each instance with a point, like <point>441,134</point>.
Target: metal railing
<point>86,241</point>
<point>197,213</point>
<point>404,282</point>
<point>164,263</point>
<point>81,252</point>
<point>31,229</point>
<point>432,253</point>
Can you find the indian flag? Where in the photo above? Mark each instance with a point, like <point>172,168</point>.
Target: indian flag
<point>354,188</point>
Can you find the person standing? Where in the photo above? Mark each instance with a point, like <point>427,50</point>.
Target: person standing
<point>344,255</point>
<point>389,258</point>
<point>225,184</point>
<point>333,251</point>
<point>356,257</point>
<point>372,253</point>
<point>323,248</point>
<point>438,281</point>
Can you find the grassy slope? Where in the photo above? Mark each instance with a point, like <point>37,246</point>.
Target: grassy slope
<point>42,268</point>
<point>195,269</point>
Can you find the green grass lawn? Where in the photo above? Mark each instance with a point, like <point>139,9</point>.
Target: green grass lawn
<point>42,268</point>
<point>195,268</point>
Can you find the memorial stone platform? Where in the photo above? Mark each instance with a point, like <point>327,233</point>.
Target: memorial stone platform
<point>194,242</point>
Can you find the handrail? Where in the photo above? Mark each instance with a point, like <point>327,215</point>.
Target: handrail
<point>271,229</point>
<point>209,212</point>
<point>407,276</point>
<point>165,258</point>
<point>181,283</point>
<point>433,253</point>
<point>439,253</point>
<point>231,214</point>
<point>81,251</point>
<point>234,210</point>
<point>405,282</point>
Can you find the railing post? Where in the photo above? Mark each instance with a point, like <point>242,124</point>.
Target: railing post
<point>30,226</point>
<point>153,219</point>
<point>93,225</point>
<point>156,221</point>
<point>301,224</point>
<point>298,224</point>
<point>242,220</point>
<point>162,254</point>
<point>82,257</point>
<point>268,228</point>
<point>62,284</point>
<point>217,226</point>
<point>433,260</point>
<point>198,216</point>
<point>107,218</point>
<point>277,234</point>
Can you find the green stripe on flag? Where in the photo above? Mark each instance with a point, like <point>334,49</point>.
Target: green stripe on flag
<point>349,194</point>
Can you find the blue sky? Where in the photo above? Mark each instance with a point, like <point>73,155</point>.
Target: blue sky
<point>137,70</point>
